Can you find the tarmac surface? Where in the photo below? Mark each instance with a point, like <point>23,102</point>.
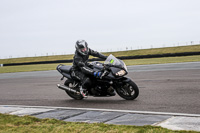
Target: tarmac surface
<point>163,88</point>
<point>173,88</point>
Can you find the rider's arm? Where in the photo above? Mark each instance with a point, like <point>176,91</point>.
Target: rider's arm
<point>83,66</point>
<point>97,54</point>
<point>87,70</point>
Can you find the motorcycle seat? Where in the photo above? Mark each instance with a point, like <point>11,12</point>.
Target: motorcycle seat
<point>65,69</point>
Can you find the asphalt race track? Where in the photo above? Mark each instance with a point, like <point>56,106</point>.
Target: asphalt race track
<point>171,88</point>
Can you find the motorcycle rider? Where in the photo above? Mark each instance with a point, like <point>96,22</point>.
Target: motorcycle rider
<point>80,69</point>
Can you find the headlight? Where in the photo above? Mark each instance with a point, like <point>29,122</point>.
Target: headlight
<point>121,73</point>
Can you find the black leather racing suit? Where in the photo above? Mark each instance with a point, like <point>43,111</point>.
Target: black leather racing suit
<point>80,69</point>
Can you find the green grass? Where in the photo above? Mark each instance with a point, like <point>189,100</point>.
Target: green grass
<point>44,67</point>
<point>28,68</point>
<point>180,49</point>
<point>36,59</point>
<point>28,124</point>
<point>163,60</point>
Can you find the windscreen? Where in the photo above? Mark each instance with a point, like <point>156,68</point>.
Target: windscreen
<point>114,61</point>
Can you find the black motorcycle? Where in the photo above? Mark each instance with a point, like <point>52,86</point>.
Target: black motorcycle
<point>112,79</point>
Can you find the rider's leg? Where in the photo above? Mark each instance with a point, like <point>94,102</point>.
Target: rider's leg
<point>78,75</point>
<point>86,84</point>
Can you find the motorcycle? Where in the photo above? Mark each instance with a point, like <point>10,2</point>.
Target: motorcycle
<point>112,79</point>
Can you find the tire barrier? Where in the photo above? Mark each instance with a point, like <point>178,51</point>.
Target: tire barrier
<point>98,59</point>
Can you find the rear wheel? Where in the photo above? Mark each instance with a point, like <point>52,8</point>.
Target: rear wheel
<point>71,84</point>
<point>128,90</point>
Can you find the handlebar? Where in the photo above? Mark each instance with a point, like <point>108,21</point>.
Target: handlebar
<point>104,73</point>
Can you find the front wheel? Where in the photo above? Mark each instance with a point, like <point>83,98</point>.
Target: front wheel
<point>71,84</point>
<point>129,90</point>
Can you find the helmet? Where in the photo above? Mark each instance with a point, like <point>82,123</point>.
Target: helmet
<point>82,47</point>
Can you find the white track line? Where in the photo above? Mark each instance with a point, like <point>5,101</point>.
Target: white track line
<point>108,110</point>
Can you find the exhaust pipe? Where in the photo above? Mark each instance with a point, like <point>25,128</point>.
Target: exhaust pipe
<point>65,88</point>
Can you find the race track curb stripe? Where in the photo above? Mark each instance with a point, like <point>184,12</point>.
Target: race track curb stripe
<point>174,121</point>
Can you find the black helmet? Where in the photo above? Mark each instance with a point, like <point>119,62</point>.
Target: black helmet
<point>82,47</point>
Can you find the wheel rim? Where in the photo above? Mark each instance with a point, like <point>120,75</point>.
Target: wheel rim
<point>127,90</point>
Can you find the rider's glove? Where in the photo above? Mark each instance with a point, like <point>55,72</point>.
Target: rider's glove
<point>100,74</point>
<point>97,74</point>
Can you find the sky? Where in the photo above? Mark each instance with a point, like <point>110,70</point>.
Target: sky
<point>51,27</point>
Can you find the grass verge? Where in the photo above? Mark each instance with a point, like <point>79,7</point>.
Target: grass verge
<point>163,60</point>
<point>180,49</point>
<point>29,68</point>
<point>44,67</point>
<point>26,124</point>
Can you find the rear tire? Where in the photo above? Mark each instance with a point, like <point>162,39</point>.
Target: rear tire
<point>73,95</point>
<point>128,90</point>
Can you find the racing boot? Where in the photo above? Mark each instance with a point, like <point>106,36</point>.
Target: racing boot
<point>84,92</point>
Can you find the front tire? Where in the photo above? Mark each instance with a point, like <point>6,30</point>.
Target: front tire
<point>129,90</point>
<point>69,83</point>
